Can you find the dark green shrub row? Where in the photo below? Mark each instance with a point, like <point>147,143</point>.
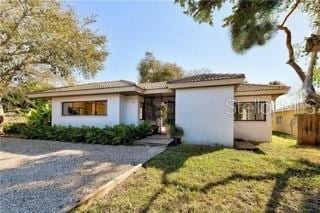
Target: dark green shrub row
<point>13,128</point>
<point>118,134</point>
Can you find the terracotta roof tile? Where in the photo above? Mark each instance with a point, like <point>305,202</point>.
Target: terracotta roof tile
<point>98,85</point>
<point>153,85</point>
<point>206,77</point>
<point>260,87</point>
<point>164,85</point>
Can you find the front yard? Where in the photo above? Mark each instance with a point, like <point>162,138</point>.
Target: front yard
<point>47,176</point>
<point>283,177</point>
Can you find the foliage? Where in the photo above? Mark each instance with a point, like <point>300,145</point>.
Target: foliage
<point>40,115</point>
<point>13,128</point>
<point>153,70</point>
<point>38,38</point>
<point>275,83</point>
<point>118,134</point>
<point>316,77</point>
<point>176,131</point>
<point>283,178</point>
<point>251,22</point>
<point>15,99</point>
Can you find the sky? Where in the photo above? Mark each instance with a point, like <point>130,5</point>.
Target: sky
<point>134,27</point>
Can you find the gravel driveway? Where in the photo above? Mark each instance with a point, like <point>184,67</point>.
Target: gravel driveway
<point>46,176</point>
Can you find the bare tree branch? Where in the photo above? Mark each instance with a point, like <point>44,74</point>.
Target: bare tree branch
<point>291,11</point>
<point>291,60</point>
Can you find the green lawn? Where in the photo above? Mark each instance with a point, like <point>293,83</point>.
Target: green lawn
<point>283,177</point>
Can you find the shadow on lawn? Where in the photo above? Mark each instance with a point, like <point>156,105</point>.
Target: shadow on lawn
<point>307,169</point>
<point>173,159</point>
<point>283,135</point>
<point>281,184</point>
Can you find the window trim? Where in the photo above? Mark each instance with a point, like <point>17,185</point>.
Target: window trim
<point>142,104</point>
<point>68,102</point>
<point>251,102</point>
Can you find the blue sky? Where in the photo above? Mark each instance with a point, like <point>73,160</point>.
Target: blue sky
<point>134,27</point>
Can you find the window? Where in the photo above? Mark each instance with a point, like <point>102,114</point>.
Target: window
<point>279,119</point>
<point>84,108</point>
<point>250,111</point>
<point>141,111</point>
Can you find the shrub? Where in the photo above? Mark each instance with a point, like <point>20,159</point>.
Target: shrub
<point>176,131</point>
<point>14,128</point>
<point>144,130</point>
<point>41,115</point>
<point>118,134</point>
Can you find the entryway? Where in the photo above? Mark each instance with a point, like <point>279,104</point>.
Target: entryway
<point>160,111</point>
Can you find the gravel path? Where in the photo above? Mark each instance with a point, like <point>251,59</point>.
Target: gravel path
<point>46,176</point>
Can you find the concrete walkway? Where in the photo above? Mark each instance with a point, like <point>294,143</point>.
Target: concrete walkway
<point>244,145</point>
<point>46,176</point>
<point>154,140</point>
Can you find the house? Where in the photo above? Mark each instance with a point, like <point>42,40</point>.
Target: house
<point>286,119</point>
<point>211,108</point>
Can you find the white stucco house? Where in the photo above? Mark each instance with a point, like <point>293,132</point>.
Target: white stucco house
<point>211,108</point>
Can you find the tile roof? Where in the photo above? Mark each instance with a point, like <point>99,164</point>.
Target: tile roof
<point>206,77</point>
<point>98,85</point>
<point>260,87</point>
<point>164,85</point>
<point>153,85</point>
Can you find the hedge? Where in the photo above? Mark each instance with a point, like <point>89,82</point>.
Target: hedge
<point>118,134</point>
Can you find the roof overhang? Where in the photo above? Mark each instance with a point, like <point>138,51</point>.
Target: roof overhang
<point>158,91</point>
<point>274,93</point>
<point>206,83</point>
<point>131,89</point>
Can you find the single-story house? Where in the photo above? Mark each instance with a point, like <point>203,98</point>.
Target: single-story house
<point>211,108</point>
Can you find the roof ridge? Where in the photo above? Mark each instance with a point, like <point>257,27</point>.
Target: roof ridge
<point>207,77</point>
<point>153,82</point>
<point>98,82</point>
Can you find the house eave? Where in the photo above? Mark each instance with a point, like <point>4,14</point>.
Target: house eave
<point>274,93</point>
<point>131,89</point>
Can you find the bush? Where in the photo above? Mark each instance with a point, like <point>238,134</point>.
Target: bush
<point>144,130</point>
<point>41,115</point>
<point>14,128</point>
<point>118,134</point>
<point>176,131</point>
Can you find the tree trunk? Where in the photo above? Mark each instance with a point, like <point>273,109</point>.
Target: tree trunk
<point>312,97</point>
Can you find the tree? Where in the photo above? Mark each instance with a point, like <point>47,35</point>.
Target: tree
<point>153,70</point>
<point>275,83</point>
<point>255,22</point>
<point>40,38</point>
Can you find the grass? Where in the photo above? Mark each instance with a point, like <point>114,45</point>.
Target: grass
<point>283,135</point>
<point>283,178</point>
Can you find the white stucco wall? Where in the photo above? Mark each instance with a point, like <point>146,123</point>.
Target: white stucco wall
<point>204,115</point>
<point>129,110</point>
<point>112,117</point>
<point>260,131</point>
<point>121,109</point>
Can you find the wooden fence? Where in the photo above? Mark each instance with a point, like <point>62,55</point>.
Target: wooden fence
<point>309,129</point>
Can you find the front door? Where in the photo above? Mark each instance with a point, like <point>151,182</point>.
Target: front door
<point>160,111</point>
